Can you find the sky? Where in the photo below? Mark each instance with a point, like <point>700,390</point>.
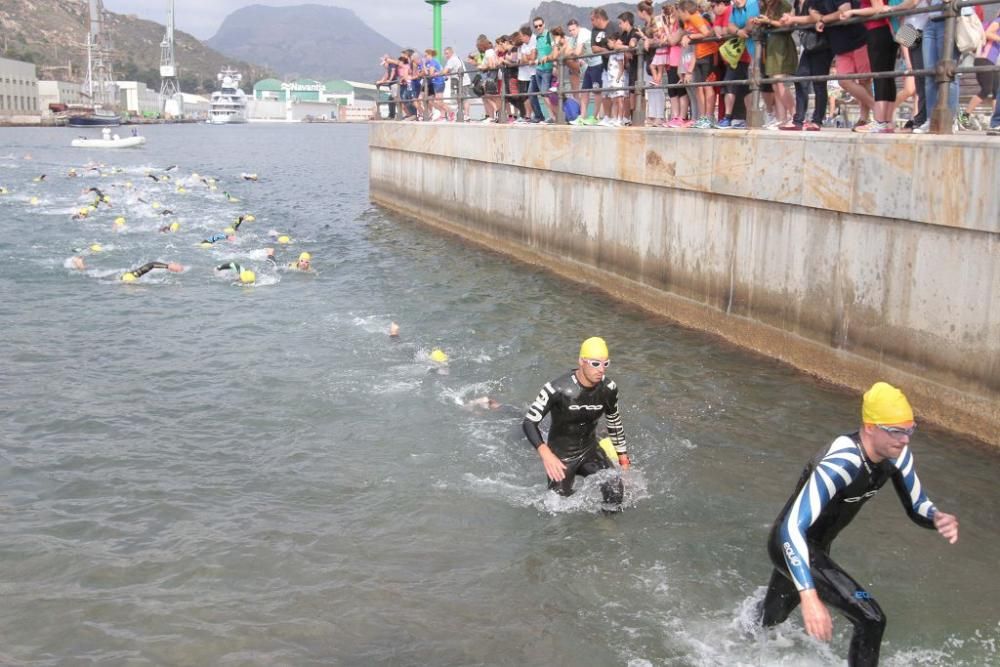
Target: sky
<point>406,22</point>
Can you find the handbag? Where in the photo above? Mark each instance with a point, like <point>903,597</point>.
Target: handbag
<point>732,50</point>
<point>813,41</point>
<point>907,35</point>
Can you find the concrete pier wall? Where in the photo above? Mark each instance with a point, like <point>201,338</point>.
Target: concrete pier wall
<point>853,258</point>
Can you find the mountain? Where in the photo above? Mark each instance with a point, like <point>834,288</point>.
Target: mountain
<point>314,41</point>
<point>53,33</point>
<point>559,13</point>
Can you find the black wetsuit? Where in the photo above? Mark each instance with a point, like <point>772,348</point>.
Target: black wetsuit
<point>830,493</point>
<point>238,268</point>
<point>146,268</point>
<point>236,225</point>
<point>575,411</point>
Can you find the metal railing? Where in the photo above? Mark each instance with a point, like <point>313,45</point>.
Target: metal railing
<point>944,72</point>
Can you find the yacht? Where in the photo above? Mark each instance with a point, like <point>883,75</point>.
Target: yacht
<point>229,103</point>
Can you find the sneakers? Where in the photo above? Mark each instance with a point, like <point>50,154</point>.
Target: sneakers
<point>724,124</point>
<point>606,122</point>
<point>738,124</point>
<point>772,124</point>
<point>922,129</point>
<point>703,123</point>
<point>590,120</point>
<point>994,131</point>
<point>675,123</point>
<point>578,121</point>
<point>967,122</point>
<point>874,127</point>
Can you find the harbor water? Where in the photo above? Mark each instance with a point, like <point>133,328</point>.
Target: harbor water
<point>194,472</point>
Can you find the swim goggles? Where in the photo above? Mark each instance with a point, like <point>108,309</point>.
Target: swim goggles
<point>597,363</point>
<point>897,432</point>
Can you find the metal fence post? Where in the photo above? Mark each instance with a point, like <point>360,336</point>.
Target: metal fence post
<point>502,84</point>
<point>942,119</point>
<point>560,68</point>
<point>639,113</point>
<point>755,116</point>
<point>460,96</point>
<point>424,97</point>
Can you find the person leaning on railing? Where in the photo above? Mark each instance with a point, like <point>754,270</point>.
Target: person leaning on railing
<point>850,50</point>
<point>815,60</point>
<point>488,68</point>
<point>577,44</point>
<point>388,79</point>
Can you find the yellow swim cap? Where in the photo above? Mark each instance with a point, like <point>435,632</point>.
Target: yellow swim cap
<point>96,247</point>
<point>119,220</point>
<point>247,276</point>
<point>129,277</point>
<point>205,244</point>
<point>156,204</point>
<point>594,348</point>
<point>248,218</point>
<point>228,230</point>
<point>128,184</point>
<point>439,356</point>
<point>212,187</point>
<point>34,201</point>
<point>91,208</point>
<point>84,211</point>
<point>884,404</point>
<point>174,226</point>
<point>284,239</point>
<point>106,198</point>
<point>305,257</point>
<point>181,191</point>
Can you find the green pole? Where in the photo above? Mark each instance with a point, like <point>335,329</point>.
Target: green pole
<point>437,4</point>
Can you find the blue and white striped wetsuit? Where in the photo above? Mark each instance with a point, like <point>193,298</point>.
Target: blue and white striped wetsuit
<point>834,486</point>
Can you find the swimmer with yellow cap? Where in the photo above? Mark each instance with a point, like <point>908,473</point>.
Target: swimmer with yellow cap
<point>246,276</point>
<point>135,274</point>
<point>172,227</point>
<point>835,484</point>
<point>439,356</point>
<point>576,401</point>
<point>304,263</point>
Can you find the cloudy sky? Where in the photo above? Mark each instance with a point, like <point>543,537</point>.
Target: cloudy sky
<point>406,22</point>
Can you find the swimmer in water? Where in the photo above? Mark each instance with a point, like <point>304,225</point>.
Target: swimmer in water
<point>215,238</point>
<point>832,489</point>
<point>484,403</point>
<point>302,264</point>
<point>153,176</point>
<point>248,177</point>
<point>172,227</point>
<point>230,197</point>
<point>576,401</point>
<point>246,276</point>
<point>135,274</point>
<point>39,179</point>
<point>393,330</point>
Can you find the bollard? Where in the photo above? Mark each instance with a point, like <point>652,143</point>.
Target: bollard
<point>378,102</point>
<point>460,96</point>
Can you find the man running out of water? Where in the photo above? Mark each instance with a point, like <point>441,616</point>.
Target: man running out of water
<point>576,401</point>
<point>834,486</point>
<point>135,274</point>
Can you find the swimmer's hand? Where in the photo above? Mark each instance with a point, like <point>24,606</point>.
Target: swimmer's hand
<point>554,468</point>
<point>174,267</point>
<point>623,461</point>
<point>947,526</point>
<point>815,616</point>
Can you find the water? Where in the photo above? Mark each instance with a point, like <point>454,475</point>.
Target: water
<point>197,473</point>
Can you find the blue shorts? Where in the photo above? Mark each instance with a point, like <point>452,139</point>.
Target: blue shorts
<point>592,77</point>
<point>437,88</point>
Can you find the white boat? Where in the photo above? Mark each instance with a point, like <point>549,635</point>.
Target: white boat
<point>229,103</point>
<point>108,140</point>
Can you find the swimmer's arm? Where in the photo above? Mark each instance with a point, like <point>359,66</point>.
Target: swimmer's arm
<point>229,265</point>
<point>833,473</point>
<point>918,506</point>
<point>539,408</point>
<point>146,268</point>
<point>616,429</point>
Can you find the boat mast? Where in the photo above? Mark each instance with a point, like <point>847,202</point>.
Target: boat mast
<point>169,85</point>
<point>100,81</point>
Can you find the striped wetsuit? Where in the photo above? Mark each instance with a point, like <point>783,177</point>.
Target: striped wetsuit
<point>834,486</point>
<point>576,411</point>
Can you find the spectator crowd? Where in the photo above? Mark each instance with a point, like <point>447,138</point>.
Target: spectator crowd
<point>696,57</point>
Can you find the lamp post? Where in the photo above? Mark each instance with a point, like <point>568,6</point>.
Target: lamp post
<point>437,4</point>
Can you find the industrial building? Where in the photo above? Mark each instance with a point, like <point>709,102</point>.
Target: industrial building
<point>18,92</point>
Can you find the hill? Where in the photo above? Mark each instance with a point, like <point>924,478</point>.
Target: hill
<point>559,13</point>
<point>313,41</point>
<point>53,33</point>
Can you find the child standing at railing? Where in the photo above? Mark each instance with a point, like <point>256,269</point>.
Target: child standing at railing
<point>615,78</point>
